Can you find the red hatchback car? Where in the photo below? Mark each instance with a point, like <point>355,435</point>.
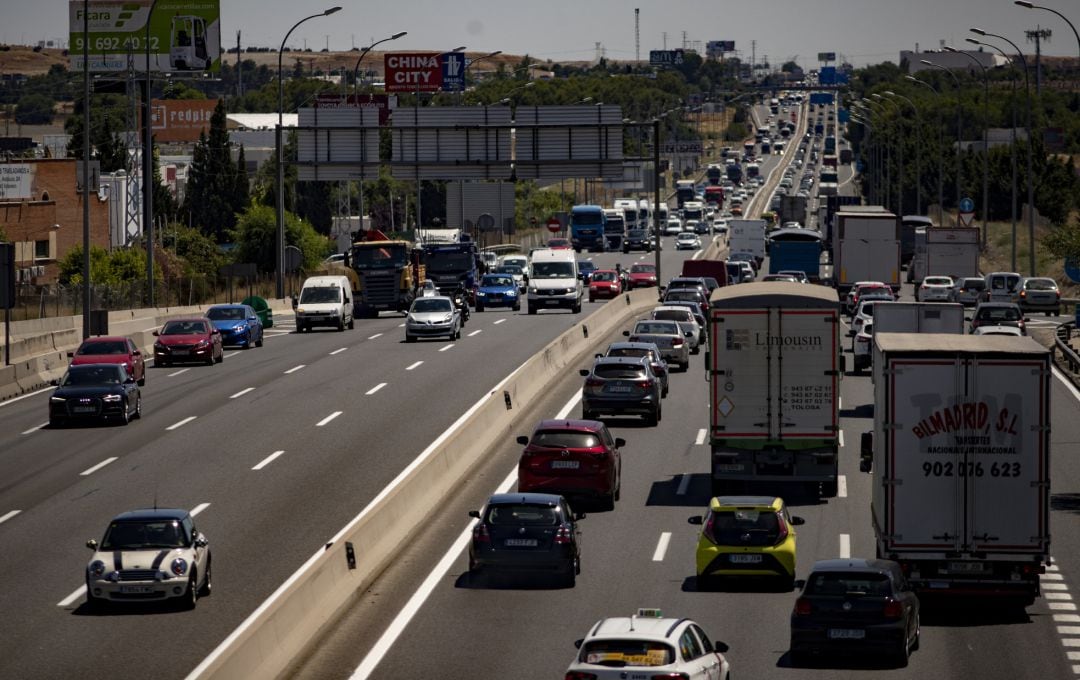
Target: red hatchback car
<point>604,283</point>
<point>559,243</point>
<point>572,458</point>
<point>642,276</point>
<point>191,339</point>
<point>111,350</point>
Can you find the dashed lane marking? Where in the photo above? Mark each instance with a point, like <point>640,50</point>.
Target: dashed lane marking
<point>700,439</point>
<point>661,547</point>
<point>266,461</point>
<point>375,389</point>
<point>413,365</point>
<point>328,418</point>
<point>242,392</point>
<point>845,546</point>
<point>8,515</point>
<point>180,424</point>
<point>91,470</point>
<point>294,369</point>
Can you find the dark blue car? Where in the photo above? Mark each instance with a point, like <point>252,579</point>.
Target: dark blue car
<point>239,325</point>
<point>498,290</point>
<point>585,269</point>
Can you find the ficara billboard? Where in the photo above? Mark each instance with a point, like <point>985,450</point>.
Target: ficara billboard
<point>185,35</point>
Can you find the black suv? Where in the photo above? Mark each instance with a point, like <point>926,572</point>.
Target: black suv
<point>637,239</point>
<point>621,385</point>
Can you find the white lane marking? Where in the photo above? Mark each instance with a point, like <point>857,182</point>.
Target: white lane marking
<point>1067,618</point>
<point>684,484</point>
<point>661,547</point>
<point>176,373</point>
<point>1073,656</point>
<point>180,424</point>
<point>841,439</point>
<point>242,392</point>
<point>1057,596</point>
<point>266,461</point>
<point>26,396</point>
<point>1052,567</point>
<point>377,335</point>
<point>1070,642</point>
<point>1068,630</point>
<point>405,615</point>
<point>1053,586</point>
<point>1066,382</point>
<point>230,354</point>
<point>79,592</point>
<point>476,332</point>
<point>294,369</point>
<point>1062,606</point>
<point>697,254</point>
<point>700,439</point>
<point>338,351</point>
<point>841,486</point>
<point>375,389</point>
<point>199,508</point>
<point>840,402</point>
<point>498,322</point>
<point>32,430</point>
<point>845,546</point>
<point>91,470</point>
<point>328,418</point>
<point>401,325</point>
<point>1052,576</point>
<point>413,365</point>
<point>6,516</point>
<point>443,349</point>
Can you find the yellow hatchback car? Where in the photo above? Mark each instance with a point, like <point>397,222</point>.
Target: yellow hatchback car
<point>746,536</point>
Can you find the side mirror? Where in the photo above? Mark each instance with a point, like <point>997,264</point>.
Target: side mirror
<point>619,442</point>
<point>54,382</point>
<point>579,516</point>
<point>798,521</point>
<point>577,643</point>
<point>136,353</point>
<point>92,544</point>
<point>201,542</point>
<point>70,354</point>
<point>720,647</point>
<point>523,440</point>
<point>626,334</point>
<point>157,333</point>
<point>474,513</point>
<point>696,520</point>
<point>294,302</point>
<point>129,380</point>
<point>584,372</point>
<point>689,334</point>
<point>215,332</point>
<point>598,356</point>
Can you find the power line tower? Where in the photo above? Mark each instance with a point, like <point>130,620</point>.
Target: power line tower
<point>637,34</point>
<point>1037,35</point>
<point>133,165</point>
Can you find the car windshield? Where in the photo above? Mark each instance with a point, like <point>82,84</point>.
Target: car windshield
<point>628,352</point>
<point>1040,284</point>
<point>509,269</point>
<point>565,439</point>
<point>937,281</point>
<point>657,328</point>
<point>643,269</point>
<point>165,533</point>
<point>422,305</point>
<point>225,313</point>
<point>620,653</point>
<point>603,276</point>
<point>522,513</point>
<point>999,314</point>
<point>448,261</point>
<point>184,328</point>
<point>619,372</point>
<point>316,294</point>
<point>103,347</point>
<point>973,284</point>
<point>673,315</point>
<point>684,294</point>
<point>497,281</point>
<point>744,527</point>
<point>90,375</point>
<point>553,270</point>
<point>847,584</point>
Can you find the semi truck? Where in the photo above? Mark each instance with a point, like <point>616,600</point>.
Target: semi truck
<point>960,458</point>
<point>747,236</point>
<point>866,247</point>
<point>774,367</point>
<point>388,274</point>
<point>587,228</point>
<point>684,191</point>
<point>946,251</point>
<point>452,266</point>
<point>795,250</point>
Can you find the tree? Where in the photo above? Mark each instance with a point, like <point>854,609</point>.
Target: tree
<point>789,67</point>
<point>256,239</point>
<point>212,196</point>
<point>34,109</point>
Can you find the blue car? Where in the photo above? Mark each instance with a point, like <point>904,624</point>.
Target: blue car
<point>498,290</point>
<point>239,325</point>
<point>585,268</point>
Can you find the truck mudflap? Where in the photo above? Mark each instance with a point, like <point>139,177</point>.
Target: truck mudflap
<point>776,465</point>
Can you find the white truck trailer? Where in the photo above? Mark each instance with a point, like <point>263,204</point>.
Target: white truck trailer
<point>960,458</point>
<point>774,368</point>
<point>918,317</point>
<point>747,236</point>
<point>866,247</point>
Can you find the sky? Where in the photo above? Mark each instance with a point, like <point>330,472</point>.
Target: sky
<point>865,32</point>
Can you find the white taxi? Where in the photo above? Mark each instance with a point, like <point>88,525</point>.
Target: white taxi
<point>647,645</point>
<point>149,556</point>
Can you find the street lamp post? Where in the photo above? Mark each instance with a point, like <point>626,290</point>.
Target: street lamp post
<point>900,147</point>
<point>148,171</point>
<point>869,151</point>
<point>280,156</point>
<point>1012,147</point>
<point>465,78</point>
<point>918,149</point>
<point>879,109</point>
<point>363,53</point>
<point>959,127</point>
<point>1030,144</point>
<point>1029,5</point>
<point>986,139</point>
<point>941,153</point>
<point>874,151</point>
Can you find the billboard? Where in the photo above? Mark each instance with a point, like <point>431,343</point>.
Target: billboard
<point>17,181</point>
<point>180,120</point>
<point>827,75</point>
<point>185,35</point>
<point>382,102</point>
<point>665,57</point>
<point>826,56</point>
<point>715,49</point>
<point>413,71</point>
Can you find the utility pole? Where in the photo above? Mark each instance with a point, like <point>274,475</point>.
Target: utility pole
<point>1037,35</point>
<point>239,70</point>
<point>664,36</point>
<point>753,58</point>
<point>637,34</point>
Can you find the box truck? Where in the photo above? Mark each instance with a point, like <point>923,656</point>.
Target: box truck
<point>866,247</point>
<point>747,236</point>
<point>960,459</point>
<point>774,367</point>
<point>918,317</point>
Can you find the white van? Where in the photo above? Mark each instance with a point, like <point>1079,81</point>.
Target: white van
<point>324,301</point>
<point>553,281</point>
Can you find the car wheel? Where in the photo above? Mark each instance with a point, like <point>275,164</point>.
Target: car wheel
<point>138,407</point>
<point>653,418</point>
<point>457,335</point>
<point>125,416</point>
<point>259,342</point>
<point>903,654</point>
<point>608,502</point>
<point>191,597</point>
<point>221,356</point>
<point>587,414</point>
<point>479,308</point>
<point>205,590</point>
<point>516,308</point>
<point>410,338</point>
<point>210,359</point>
<point>570,578</point>
<point>95,604</point>
<point>592,299</point>
<point>576,309</point>
<point>664,393</point>
<point>685,366</point>
<point>142,380</point>
<point>352,323</point>
<point>532,310</point>
<point>341,325</point>
<point>918,634</point>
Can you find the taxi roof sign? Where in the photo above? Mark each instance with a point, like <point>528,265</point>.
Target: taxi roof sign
<point>650,613</point>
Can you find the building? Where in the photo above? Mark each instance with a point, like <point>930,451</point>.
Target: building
<point>256,132</point>
<point>41,212</point>
<point>950,60</point>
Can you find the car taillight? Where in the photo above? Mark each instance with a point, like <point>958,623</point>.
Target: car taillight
<point>893,610</point>
<point>563,536</point>
<point>1023,293</point>
<point>579,675</point>
<point>480,534</point>
<point>670,676</point>
<point>862,339</point>
<point>782,533</point>
<point>924,286</point>
<point>803,607</point>
<point>645,384</point>
<point>593,382</point>
<point>707,530</point>
<point>677,343</point>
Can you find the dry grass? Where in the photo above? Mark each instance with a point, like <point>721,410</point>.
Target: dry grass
<point>998,254</point>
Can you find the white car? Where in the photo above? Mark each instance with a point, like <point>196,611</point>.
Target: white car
<point>149,556</point>
<point>720,226</point>
<point>862,347</point>
<point>687,239</point>
<point>685,318</point>
<point>690,226</point>
<point>673,227</point>
<point>428,289</point>
<point>934,289</point>
<point>648,646</point>
<point>998,330</point>
<point>864,314</point>
<point>668,337</point>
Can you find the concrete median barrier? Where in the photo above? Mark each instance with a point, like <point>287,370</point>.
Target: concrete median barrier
<point>283,626</point>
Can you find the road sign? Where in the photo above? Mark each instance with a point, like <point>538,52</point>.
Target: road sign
<point>1072,269</point>
<point>554,226</point>
<point>966,218</point>
<point>453,72</point>
<point>665,57</point>
<point>486,222</point>
<point>967,205</point>
<point>413,71</point>
<point>826,56</point>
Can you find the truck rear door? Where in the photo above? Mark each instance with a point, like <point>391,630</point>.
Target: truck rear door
<point>742,381</point>
<point>807,377</point>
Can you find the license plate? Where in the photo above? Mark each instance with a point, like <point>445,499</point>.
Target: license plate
<point>967,567</point>
<point>846,634</point>
<point>730,467</point>
<point>84,409</point>
<point>136,590</point>
<point>745,559</point>
<point>520,542</point>
<point>182,352</point>
<point>565,464</point>
<point>618,388</point>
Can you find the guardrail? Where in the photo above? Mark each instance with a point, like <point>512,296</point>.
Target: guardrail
<point>1063,334</point>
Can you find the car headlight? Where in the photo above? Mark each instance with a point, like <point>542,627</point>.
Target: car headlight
<point>533,290</point>
<point>448,318</point>
<point>299,310</point>
<point>57,400</point>
<point>111,397</point>
<point>239,328</point>
<point>335,312</point>
<point>179,566</point>
<point>159,347</point>
<point>481,293</point>
<point>96,568</point>
<point>511,293</point>
<point>203,343</point>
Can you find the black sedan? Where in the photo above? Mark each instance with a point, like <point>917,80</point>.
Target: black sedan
<point>95,392</point>
<point>526,533</point>
<point>850,606</point>
<point>621,385</point>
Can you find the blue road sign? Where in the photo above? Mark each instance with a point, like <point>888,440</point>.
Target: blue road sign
<point>827,75</point>
<point>453,72</point>
<point>1072,270</point>
<point>967,205</point>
